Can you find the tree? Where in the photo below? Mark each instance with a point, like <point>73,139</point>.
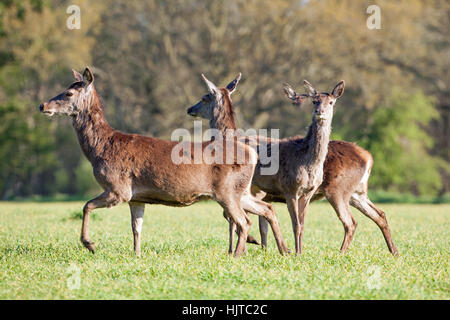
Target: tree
<point>400,145</point>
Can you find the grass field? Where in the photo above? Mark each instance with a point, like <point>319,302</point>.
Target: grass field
<point>184,256</point>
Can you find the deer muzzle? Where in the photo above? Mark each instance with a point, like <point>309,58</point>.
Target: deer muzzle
<point>191,111</point>
<point>43,107</point>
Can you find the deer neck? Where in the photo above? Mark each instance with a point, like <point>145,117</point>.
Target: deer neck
<point>224,117</point>
<point>93,131</point>
<point>317,139</point>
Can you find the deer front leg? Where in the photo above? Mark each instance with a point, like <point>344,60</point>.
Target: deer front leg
<point>303,203</point>
<point>137,218</point>
<point>292,204</point>
<point>263,229</point>
<point>106,199</point>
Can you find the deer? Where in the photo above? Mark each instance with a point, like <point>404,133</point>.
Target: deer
<point>301,161</point>
<point>140,170</point>
<point>346,170</point>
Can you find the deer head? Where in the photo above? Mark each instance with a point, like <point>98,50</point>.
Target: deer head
<point>323,102</point>
<point>210,103</point>
<point>72,100</point>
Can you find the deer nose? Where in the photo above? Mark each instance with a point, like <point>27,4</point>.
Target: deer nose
<point>41,107</point>
<point>190,111</point>
<point>320,111</point>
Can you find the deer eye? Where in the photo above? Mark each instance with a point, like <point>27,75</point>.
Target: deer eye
<point>69,94</point>
<point>331,102</point>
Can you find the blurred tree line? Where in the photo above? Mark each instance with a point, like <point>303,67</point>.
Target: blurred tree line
<point>148,56</point>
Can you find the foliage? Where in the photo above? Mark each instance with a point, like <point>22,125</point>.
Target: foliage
<point>399,145</point>
<point>148,56</point>
<point>35,51</point>
<point>26,149</point>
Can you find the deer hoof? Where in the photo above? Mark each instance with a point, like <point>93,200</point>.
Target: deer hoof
<point>89,245</point>
<point>251,239</point>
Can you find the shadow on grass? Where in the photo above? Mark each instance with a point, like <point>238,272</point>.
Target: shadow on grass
<point>377,196</point>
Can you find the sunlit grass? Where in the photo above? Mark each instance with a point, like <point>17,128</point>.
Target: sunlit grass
<point>184,255</point>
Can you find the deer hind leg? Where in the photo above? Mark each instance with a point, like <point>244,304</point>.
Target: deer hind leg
<point>363,204</point>
<point>344,214</point>
<point>106,199</point>
<point>137,218</point>
<point>264,209</point>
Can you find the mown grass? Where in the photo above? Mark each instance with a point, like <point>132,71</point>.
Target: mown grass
<point>184,256</point>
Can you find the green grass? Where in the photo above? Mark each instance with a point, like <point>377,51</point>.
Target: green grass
<point>184,256</point>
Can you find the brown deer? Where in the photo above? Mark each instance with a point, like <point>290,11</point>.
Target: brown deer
<point>345,178</point>
<point>138,169</point>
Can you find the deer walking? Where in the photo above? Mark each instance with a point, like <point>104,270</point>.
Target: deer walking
<point>138,169</point>
<point>346,171</point>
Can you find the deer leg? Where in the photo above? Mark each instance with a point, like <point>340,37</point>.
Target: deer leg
<point>292,204</point>
<point>232,230</point>
<point>303,203</point>
<point>237,215</point>
<point>263,223</point>
<point>242,227</point>
<point>263,230</point>
<point>261,208</point>
<point>137,218</point>
<point>106,199</point>
<point>251,239</point>
<point>363,204</point>
<point>345,215</point>
<point>249,223</point>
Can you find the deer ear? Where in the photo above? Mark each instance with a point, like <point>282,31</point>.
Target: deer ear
<point>311,91</point>
<point>232,85</point>
<point>339,89</point>
<point>211,86</point>
<point>77,75</point>
<point>88,76</point>
<point>290,93</point>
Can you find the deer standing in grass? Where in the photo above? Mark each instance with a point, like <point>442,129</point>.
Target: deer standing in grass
<point>137,169</point>
<point>301,162</point>
<point>345,178</point>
